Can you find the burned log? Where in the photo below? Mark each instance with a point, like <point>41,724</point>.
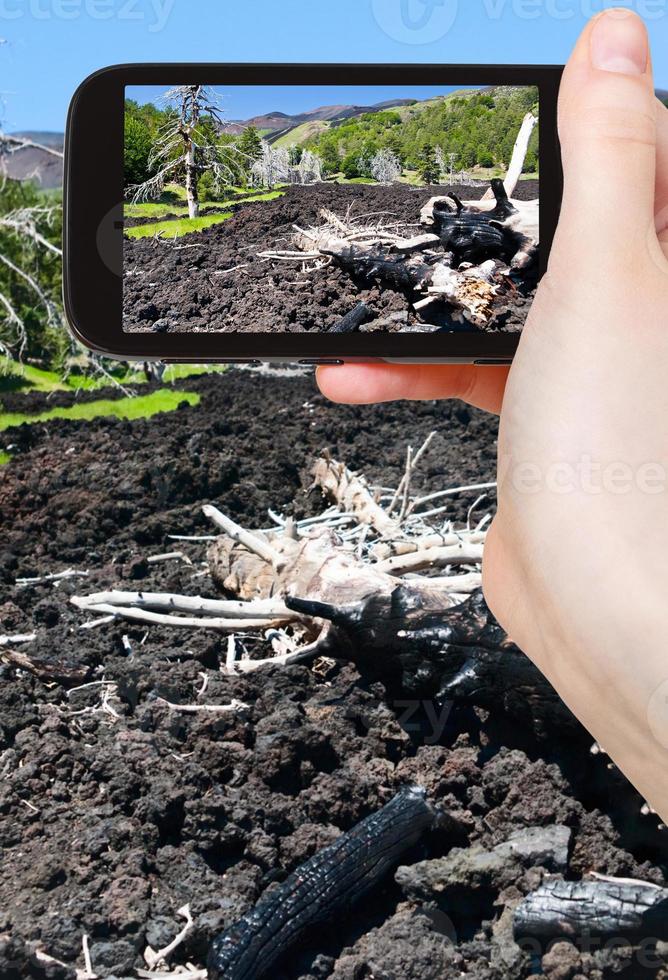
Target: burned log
<point>474,235</point>
<point>401,273</point>
<point>327,884</point>
<point>420,649</point>
<point>511,225</point>
<point>605,907</point>
<point>353,321</point>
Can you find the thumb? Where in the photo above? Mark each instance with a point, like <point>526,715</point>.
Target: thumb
<point>608,130</point>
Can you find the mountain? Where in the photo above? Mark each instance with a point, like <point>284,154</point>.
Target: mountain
<point>33,163</point>
<point>662,93</point>
<point>278,125</point>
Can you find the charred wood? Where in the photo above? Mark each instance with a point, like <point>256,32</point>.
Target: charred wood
<point>420,649</point>
<point>326,885</point>
<point>621,907</point>
<point>353,321</point>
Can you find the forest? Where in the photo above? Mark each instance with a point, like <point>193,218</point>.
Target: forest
<point>473,128</point>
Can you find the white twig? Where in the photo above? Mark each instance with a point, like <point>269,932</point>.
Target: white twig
<point>241,536</point>
<point>187,622</point>
<point>154,958</point>
<point>449,493</point>
<point>458,554</point>
<point>6,641</point>
<point>411,463</point>
<point>55,577</point>
<point>169,556</point>
<point>231,654</point>
<point>271,609</point>
<point>93,624</point>
<point>89,973</point>
<point>217,709</point>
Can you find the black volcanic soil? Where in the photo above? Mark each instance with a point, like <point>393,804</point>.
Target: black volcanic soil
<point>181,289</point>
<point>109,825</point>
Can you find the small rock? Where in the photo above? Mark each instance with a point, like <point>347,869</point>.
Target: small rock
<point>108,958</point>
<point>545,847</point>
<point>562,962</point>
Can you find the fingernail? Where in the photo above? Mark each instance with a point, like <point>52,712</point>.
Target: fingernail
<point>619,43</point>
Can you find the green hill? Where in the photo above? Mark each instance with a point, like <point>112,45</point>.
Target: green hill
<point>301,135</point>
<point>479,127</point>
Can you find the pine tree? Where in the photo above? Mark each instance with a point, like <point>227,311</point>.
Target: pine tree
<point>428,167</point>
<point>250,149</point>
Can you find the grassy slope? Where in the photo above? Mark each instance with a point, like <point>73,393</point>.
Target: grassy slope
<point>410,115</point>
<point>300,134</point>
<point>142,406</point>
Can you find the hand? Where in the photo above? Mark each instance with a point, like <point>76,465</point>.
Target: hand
<point>576,563</point>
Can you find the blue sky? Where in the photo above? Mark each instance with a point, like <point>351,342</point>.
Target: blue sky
<point>53,44</point>
<point>246,101</point>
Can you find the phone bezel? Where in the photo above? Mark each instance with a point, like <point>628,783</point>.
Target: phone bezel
<point>93,196</point>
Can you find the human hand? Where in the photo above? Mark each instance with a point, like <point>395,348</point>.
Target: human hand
<point>575,563</point>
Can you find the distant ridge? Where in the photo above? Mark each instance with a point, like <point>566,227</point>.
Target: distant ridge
<point>274,124</point>
<point>34,164</point>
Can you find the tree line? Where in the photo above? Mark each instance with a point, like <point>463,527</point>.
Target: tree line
<point>466,129</point>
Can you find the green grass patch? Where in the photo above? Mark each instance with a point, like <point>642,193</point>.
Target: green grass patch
<point>20,377</point>
<point>4,457</point>
<point>140,407</point>
<point>159,209</point>
<point>178,228</point>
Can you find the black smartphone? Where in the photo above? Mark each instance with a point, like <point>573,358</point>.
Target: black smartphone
<point>320,213</point>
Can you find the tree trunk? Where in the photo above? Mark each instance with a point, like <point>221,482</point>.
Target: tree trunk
<point>191,181</point>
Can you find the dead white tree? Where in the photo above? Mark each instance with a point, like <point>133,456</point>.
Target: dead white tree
<point>22,240</point>
<point>310,168</point>
<point>385,167</point>
<point>519,155</point>
<point>184,144</point>
<point>272,168</point>
<point>443,167</point>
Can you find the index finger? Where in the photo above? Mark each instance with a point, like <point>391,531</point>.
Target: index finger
<point>363,384</point>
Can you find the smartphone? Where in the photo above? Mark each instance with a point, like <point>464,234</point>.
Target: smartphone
<point>315,213</point>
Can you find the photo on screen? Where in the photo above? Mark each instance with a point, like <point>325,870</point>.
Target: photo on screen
<point>330,209</point>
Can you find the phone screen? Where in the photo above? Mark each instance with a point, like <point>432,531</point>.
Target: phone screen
<point>330,209</point>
